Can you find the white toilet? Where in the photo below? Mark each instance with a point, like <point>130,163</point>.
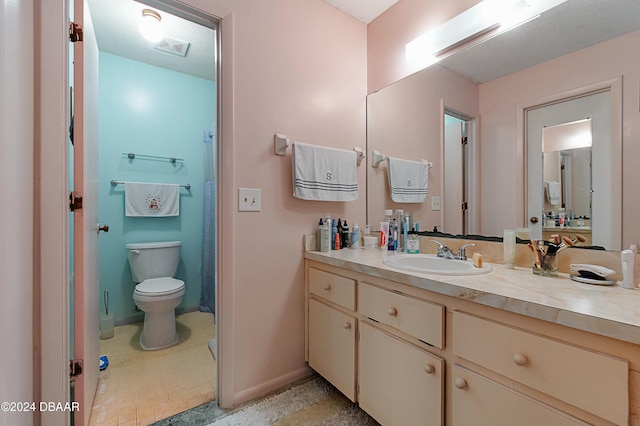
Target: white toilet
<point>158,293</point>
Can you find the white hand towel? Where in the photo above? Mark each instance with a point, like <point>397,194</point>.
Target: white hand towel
<point>554,193</point>
<point>408,180</point>
<point>151,199</point>
<point>324,174</point>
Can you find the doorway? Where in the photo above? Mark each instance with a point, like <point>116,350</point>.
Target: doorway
<point>459,183</point>
<point>155,116</point>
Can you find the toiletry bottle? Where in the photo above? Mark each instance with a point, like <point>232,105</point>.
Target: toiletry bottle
<point>400,224</point>
<point>339,233</point>
<point>628,265</point>
<point>392,235</point>
<point>325,238</point>
<point>336,241</point>
<point>384,234</point>
<point>413,242</point>
<point>405,231</point>
<point>355,236</point>
<point>319,235</point>
<point>345,235</point>
<point>334,232</point>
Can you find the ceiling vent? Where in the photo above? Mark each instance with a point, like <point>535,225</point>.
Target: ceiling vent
<point>173,46</point>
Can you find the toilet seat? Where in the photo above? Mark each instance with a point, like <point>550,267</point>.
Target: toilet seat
<point>159,286</point>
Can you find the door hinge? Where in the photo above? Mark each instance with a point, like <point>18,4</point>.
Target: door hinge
<point>75,369</point>
<point>75,201</point>
<point>465,206</point>
<point>465,140</point>
<point>75,32</point>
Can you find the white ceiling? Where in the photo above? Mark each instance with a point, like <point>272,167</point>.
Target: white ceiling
<point>568,27</point>
<point>363,10</point>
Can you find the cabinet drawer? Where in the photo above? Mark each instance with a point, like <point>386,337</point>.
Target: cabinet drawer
<point>592,381</point>
<point>421,319</point>
<point>334,288</point>
<point>480,401</point>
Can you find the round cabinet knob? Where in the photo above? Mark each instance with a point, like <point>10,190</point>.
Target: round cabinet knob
<point>346,325</point>
<point>327,287</point>
<point>429,369</point>
<point>460,383</point>
<point>520,359</point>
<point>392,312</point>
<point>104,228</point>
<point>533,219</point>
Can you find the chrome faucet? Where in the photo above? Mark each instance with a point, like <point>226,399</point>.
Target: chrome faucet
<point>446,253</point>
<point>462,253</point>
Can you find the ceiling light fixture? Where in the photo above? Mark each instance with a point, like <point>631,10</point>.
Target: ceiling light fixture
<point>151,25</point>
<point>472,23</point>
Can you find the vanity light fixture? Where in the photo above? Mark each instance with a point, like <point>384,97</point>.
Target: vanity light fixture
<point>151,25</point>
<point>472,23</point>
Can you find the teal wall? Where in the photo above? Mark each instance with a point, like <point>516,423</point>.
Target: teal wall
<point>149,110</point>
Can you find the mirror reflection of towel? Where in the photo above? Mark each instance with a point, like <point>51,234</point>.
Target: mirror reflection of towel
<point>554,193</point>
<point>151,199</point>
<point>408,180</point>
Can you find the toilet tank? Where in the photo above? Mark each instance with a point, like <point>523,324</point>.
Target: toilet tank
<point>153,260</point>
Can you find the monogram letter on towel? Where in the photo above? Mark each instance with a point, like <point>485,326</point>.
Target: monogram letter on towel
<point>151,199</point>
<point>324,174</point>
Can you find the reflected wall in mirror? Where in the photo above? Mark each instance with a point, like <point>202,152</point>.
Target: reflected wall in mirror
<point>504,76</point>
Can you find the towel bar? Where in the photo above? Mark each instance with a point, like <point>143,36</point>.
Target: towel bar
<point>120,182</point>
<point>281,143</point>
<point>377,158</point>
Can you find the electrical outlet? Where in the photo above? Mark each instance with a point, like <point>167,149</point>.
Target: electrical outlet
<point>435,203</point>
<point>249,200</point>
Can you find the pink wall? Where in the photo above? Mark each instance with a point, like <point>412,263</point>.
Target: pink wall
<point>298,68</point>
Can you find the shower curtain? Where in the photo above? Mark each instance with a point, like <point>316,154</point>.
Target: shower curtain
<point>208,297</point>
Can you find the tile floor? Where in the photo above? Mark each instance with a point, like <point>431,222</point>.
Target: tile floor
<point>141,387</point>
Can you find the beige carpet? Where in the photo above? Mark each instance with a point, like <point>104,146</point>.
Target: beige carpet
<point>314,402</point>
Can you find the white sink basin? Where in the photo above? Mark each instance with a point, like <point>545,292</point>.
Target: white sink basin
<point>431,264</point>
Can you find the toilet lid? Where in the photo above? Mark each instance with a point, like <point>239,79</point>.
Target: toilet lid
<point>160,286</point>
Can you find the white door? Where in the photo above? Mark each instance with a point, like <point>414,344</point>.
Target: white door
<point>85,220</point>
<point>452,198</point>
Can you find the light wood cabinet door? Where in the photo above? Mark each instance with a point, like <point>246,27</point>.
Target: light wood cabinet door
<point>332,346</point>
<point>399,384</point>
<point>480,401</point>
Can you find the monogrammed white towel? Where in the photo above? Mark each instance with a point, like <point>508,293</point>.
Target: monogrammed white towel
<point>151,199</point>
<point>324,174</point>
<point>408,180</point>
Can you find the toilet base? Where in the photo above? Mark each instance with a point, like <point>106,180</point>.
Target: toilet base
<point>158,331</point>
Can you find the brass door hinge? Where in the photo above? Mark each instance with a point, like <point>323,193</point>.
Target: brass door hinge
<point>75,201</point>
<point>75,32</point>
<point>75,369</point>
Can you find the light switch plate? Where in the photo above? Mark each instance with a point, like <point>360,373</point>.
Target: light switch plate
<point>249,200</point>
<point>435,203</point>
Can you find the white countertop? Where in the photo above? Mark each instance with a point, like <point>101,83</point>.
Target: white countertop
<point>610,311</point>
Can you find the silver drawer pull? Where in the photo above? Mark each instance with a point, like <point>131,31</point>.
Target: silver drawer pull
<point>327,287</point>
<point>460,383</point>
<point>346,325</point>
<point>392,312</point>
<point>520,359</point>
<point>429,369</point>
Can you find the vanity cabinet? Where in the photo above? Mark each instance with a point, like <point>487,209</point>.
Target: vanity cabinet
<point>408,355</point>
<point>481,401</point>
<point>399,384</point>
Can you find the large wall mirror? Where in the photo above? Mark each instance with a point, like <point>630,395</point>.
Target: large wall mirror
<point>407,119</point>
